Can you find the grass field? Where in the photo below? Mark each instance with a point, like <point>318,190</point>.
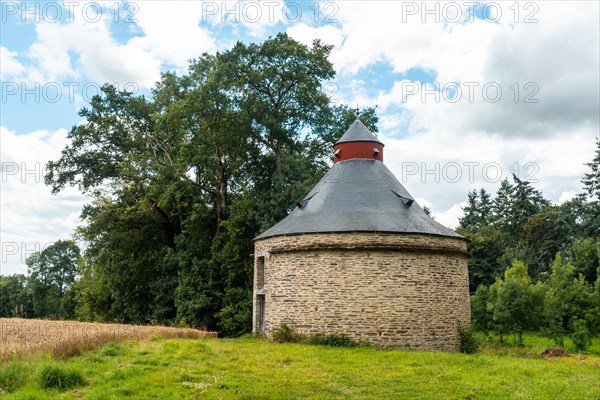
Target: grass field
<point>67,338</point>
<point>533,344</point>
<point>159,368</point>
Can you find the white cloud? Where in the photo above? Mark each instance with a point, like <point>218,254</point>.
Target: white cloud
<point>10,68</point>
<point>547,60</point>
<point>379,32</point>
<point>84,48</point>
<point>307,34</point>
<point>450,217</point>
<point>423,202</point>
<point>258,17</point>
<point>173,33</point>
<point>566,196</point>
<point>31,216</point>
<point>72,51</point>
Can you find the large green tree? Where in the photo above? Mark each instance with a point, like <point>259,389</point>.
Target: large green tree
<point>590,199</point>
<point>183,181</point>
<point>470,218</point>
<point>591,180</point>
<point>485,240</point>
<point>52,273</point>
<point>15,299</point>
<point>515,306</point>
<point>543,238</point>
<point>569,298</point>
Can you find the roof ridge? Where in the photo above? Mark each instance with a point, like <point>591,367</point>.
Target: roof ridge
<point>358,132</point>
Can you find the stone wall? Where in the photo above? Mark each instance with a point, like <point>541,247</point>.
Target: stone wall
<point>393,290</point>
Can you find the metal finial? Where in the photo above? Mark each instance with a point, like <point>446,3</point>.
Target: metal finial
<point>357,111</point>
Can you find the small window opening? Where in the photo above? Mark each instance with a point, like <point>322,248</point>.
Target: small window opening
<point>260,272</point>
<point>260,312</point>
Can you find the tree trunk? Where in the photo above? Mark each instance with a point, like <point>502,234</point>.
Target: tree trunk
<point>221,197</point>
<point>278,157</point>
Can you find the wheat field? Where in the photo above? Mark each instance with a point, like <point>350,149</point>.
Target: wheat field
<point>21,337</point>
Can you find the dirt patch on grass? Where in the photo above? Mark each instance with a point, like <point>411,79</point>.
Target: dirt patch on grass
<point>555,352</point>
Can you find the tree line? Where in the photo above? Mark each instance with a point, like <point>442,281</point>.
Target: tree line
<point>535,266</point>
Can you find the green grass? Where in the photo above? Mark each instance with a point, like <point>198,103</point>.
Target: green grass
<point>534,343</point>
<point>54,375</point>
<point>12,376</point>
<point>255,369</point>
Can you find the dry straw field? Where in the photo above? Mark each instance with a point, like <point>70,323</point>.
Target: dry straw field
<point>20,337</point>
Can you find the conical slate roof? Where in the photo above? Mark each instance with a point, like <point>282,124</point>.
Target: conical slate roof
<point>358,132</point>
<point>358,195</point>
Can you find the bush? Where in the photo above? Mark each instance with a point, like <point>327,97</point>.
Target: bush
<point>235,318</point>
<point>285,334</point>
<point>581,335</point>
<point>111,349</point>
<point>53,376</point>
<point>12,377</point>
<point>468,343</point>
<point>333,340</point>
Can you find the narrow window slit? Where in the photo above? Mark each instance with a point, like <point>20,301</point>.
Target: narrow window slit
<point>260,272</point>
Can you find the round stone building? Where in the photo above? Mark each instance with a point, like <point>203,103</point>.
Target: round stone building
<point>359,257</point>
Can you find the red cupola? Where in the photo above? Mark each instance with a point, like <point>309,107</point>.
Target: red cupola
<point>357,142</point>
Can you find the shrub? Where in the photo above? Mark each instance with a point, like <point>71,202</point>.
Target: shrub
<point>111,349</point>
<point>52,376</point>
<point>236,316</point>
<point>12,376</point>
<point>333,340</point>
<point>286,334</point>
<point>468,343</point>
<point>581,335</point>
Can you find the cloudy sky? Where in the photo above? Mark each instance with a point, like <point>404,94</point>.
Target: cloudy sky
<point>467,92</point>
